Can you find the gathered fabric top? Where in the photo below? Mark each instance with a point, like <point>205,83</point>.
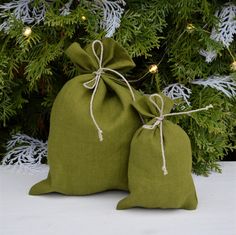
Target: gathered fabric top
<point>114,57</point>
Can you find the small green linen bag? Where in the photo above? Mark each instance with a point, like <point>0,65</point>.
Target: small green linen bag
<point>92,123</point>
<point>160,144</point>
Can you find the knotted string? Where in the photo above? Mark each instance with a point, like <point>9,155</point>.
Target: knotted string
<point>93,83</point>
<point>159,121</point>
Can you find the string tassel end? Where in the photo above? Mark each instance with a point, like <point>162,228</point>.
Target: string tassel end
<point>100,135</point>
<point>165,172</point>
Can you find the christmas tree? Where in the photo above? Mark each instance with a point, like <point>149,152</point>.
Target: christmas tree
<point>185,49</point>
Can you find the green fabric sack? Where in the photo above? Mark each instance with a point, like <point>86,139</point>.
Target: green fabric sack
<point>92,123</point>
<point>157,180</point>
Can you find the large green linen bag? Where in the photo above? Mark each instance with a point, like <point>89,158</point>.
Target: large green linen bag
<point>150,184</point>
<point>92,123</point>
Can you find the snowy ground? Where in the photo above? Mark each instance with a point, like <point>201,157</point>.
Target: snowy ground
<point>89,215</point>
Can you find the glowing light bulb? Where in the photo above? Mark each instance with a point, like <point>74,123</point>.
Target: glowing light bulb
<point>233,66</point>
<point>27,31</point>
<point>83,18</point>
<point>190,28</point>
<point>153,68</point>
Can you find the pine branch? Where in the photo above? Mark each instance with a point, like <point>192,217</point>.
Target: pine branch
<point>210,132</point>
<point>39,67</point>
<point>7,109</point>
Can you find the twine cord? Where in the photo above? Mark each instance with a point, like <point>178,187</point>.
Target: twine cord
<point>159,122</point>
<point>93,83</point>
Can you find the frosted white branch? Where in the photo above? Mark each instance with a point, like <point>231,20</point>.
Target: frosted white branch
<point>210,55</point>
<point>112,13</point>
<point>21,10</point>
<point>24,152</point>
<point>227,25</point>
<point>224,84</point>
<point>5,26</point>
<point>65,10</point>
<point>39,13</point>
<point>225,30</point>
<point>177,91</point>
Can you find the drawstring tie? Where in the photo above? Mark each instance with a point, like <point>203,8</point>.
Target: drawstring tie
<point>93,84</point>
<point>159,122</point>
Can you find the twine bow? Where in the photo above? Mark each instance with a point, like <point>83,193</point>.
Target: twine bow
<point>93,83</point>
<point>159,121</point>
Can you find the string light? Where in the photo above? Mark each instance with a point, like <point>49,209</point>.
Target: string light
<point>233,66</point>
<point>153,69</point>
<point>190,28</point>
<point>83,18</point>
<point>27,31</point>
